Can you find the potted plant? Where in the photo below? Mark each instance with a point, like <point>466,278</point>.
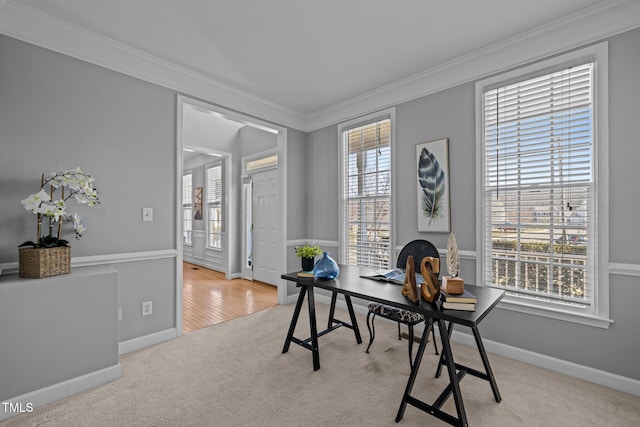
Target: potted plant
<point>51,255</point>
<point>308,252</point>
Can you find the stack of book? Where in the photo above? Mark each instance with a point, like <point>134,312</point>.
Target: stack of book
<point>465,301</point>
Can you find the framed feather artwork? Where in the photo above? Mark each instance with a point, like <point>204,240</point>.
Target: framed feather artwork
<point>432,159</point>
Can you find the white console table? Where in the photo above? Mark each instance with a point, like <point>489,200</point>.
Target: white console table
<point>58,335</point>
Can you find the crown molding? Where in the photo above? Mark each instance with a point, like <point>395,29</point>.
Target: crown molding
<point>27,24</point>
<point>591,25</point>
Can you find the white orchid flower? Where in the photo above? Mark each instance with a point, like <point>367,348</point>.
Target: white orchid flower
<point>80,187</point>
<point>52,210</point>
<point>77,226</point>
<point>32,203</point>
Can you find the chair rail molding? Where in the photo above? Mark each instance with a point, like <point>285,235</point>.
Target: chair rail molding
<point>85,261</point>
<point>624,269</point>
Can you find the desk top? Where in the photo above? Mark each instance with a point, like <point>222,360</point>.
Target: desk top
<point>350,283</point>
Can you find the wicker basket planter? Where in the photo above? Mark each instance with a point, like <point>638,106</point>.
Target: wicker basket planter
<point>36,263</point>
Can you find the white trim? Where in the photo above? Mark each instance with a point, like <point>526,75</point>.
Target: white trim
<point>589,26</point>
<point>596,376</point>
<point>179,213</point>
<point>25,23</point>
<point>624,269</point>
<point>146,340</point>
<point>282,188</point>
<point>86,261</point>
<point>63,389</point>
<point>593,24</point>
<point>514,303</point>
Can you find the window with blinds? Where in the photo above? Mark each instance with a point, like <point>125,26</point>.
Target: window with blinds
<point>538,182</point>
<point>214,207</point>
<point>187,200</point>
<point>366,195</point>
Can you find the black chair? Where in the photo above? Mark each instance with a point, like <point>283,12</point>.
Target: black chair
<point>419,249</point>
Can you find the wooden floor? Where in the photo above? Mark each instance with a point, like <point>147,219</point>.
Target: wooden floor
<point>208,298</point>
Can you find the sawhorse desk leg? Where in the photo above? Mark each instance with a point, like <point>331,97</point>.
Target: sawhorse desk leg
<point>312,326</point>
<point>453,387</point>
<point>488,372</point>
<point>311,343</point>
<point>352,316</point>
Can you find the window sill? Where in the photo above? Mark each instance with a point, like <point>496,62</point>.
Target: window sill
<point>516,304</point>
<point>211,248</point>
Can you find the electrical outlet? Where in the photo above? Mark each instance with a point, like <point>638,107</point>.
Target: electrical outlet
<point>147,308</point>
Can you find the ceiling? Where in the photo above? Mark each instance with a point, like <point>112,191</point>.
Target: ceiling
<point>308,57</point>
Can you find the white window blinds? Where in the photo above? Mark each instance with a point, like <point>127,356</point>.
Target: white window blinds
<point>366,181</point>
<point>538,186</point>
<point>187,198</point>
<point>214,184</point>
<point>214,207</point>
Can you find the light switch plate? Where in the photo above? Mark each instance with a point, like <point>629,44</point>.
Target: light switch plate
<point>147,214</point>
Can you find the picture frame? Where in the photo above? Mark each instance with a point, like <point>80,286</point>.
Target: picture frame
<point>197,203</point>
<point>432,175</point>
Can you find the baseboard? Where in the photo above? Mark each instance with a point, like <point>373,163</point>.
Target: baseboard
<point>29,401</point>
<point>607,379</point>
<point>596,376</point>
<point>147,340</point>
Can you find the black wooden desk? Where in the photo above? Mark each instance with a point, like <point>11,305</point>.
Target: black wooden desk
<point>350,284</point>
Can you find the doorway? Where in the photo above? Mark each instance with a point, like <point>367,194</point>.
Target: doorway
<point>275,196</point>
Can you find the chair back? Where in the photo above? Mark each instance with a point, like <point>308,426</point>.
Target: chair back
<point>419,249</point>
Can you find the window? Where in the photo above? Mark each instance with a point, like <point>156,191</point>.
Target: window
<point>214,206</point>
<point>539,185</point>
<point>263,162</point>
<point>366,194</point>
<point>187,208</point>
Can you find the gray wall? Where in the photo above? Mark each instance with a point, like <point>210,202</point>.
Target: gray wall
<point>66,339</point>
<point>58,112</point>
<point>297,190</point>
<point>254,140</point>
<point>450,114</point>
<point>322,184</point>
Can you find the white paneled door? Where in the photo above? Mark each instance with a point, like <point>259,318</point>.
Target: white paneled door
<point>266,232</point>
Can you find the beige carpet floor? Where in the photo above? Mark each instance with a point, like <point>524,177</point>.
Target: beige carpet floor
<point>233,374</point>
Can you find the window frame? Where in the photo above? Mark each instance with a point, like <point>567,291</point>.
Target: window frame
<point>208,206</point>
<point>598,315</point>
<point>345,126</point>
<point>186,206</point>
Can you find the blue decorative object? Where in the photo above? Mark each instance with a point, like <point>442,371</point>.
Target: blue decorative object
<point>326,268</point>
